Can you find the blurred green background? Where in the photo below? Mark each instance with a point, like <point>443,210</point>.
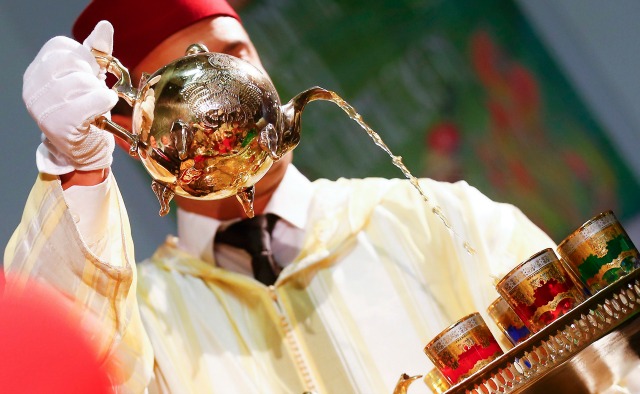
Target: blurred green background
<point>460,89</point>
<point>533,102</point>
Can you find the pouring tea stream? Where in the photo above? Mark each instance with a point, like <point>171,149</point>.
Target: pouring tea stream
<point>209,126</point>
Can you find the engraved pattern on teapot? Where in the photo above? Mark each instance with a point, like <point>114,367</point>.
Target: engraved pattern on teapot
<point>207,125</point>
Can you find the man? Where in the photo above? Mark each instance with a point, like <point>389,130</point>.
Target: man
<point>366,273</point>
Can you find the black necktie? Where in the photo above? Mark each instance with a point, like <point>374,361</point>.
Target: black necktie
<point>254,236</point>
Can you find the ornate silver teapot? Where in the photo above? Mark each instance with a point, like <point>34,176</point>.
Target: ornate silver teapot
<point>208,125</point>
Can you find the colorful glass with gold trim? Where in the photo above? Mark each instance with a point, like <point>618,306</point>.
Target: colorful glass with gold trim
<point>463,348</point>
<point>436,382</point>
<point>600,252</point>
<point>540,290</point>
<point>508,321</point>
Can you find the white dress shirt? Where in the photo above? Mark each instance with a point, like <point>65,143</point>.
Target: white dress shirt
<point>196,232</point>
<point>290,202</point>
<point>89,207</point>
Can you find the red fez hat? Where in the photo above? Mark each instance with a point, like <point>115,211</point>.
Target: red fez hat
<point>140,25</point>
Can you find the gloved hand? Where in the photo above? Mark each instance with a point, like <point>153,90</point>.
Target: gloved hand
<point>64,90</point>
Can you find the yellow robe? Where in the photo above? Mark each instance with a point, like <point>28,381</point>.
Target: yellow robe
<point>379,276</point>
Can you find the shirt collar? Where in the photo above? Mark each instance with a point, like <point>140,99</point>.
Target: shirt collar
<point>291,199</point>
<point>290,202</point>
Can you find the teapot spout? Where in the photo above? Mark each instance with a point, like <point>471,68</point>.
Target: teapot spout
<point>292,113</point>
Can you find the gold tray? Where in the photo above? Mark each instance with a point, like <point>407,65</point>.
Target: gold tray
<point>584,351</point>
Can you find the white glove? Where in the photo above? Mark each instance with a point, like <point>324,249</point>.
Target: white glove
<point>64,91</point>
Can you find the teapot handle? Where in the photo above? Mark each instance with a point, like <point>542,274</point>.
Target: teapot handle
<point>125,90</point>
<point>123,87</point>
